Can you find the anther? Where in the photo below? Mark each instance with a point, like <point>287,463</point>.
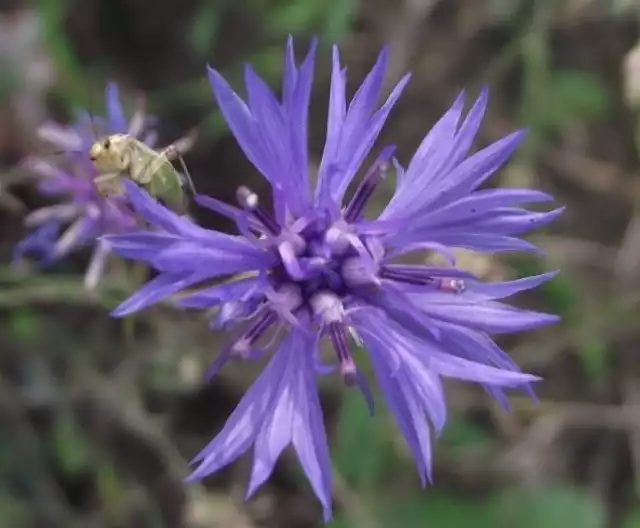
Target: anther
<point>357,272</point>
<point>372,179</point>
<point>244,343</point>
<point>250,202</point>
<point>439,278</point>
<point>328,307</point>
<point>348,368</point>
<point>452,285</point>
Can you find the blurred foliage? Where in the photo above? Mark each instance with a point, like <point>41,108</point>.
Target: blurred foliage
<point>67,452</point>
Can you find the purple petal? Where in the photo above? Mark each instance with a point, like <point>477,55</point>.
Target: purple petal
<point>281,407</point>
<point>408,416</point>
<point>409,389</point>
<point>140,245</point>
<point>157,289</point>
<point>432,153</point>
<point>366,140</point>
<point>269,125</point>
<point>118,123</point>
<point>296,106</point>
<point>309,435</point>
<point>455,367</point>
<point>466,134</point>
<point>221,293</point>
<point>245,422</point>
<point>352,132</point>
<point>39,243</point>
<point>214,260</point>
<point>475,170</point>
<point>514,222</point>
<point>335,120</point>
<point>486,291</point>
<point>241,122</point>
<point>160,216</point>
<point>478,347</point>
<point>490,316</point>
<point>153,211</point>
<point>219,207</point>
<point>478,204</point>
<point>63,137</point>
<point>473,241</point>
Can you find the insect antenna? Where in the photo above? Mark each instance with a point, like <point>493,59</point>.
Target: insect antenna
<point>90,114</point>
<point>180,147</point>
<point>92,125</point>
<point>187,176</point>
<point>137,122</point>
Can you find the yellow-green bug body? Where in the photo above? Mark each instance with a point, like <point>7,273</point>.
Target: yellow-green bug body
<point>120,155</point>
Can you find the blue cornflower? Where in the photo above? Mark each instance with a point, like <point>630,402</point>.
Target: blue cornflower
<point>83,214</point>
<point>317,268</point>
<point>86,128</point>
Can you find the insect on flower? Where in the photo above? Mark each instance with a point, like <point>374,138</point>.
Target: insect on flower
<point>120,155</point>
<point>81,217</point>
<point>318,269</point>
<point>120,148</point>
<point>82,214</point>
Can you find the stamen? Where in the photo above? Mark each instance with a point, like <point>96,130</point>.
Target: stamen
<point>285,301</point>
<point>445,279</point>
<point>244,343</point>
<point>250,202</point>
<point>338,338</point>
<point>418,280</point>
<point>372,179</point>
<point>348,369</point>
<point>358,272</point>
<point>452,285</point>
<point>232,312</point>
<point>96,266</point>
<point>71,236</point>
<point>328,307</point>
<point>336,240</point>
<point>62,212</point>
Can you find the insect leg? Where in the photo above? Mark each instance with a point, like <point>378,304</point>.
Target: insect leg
<point>186,177</point>
<point>142,173</point>
<point>109,184</point>
<point>184,144</point>
<point>175,152</point>
<point>136,124</point>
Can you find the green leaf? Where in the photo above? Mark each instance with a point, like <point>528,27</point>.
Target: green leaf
<point>581,94</point>
<point>560,291</point>
<point>363,446</point>
<point>268,63</point>
<point>205,28</point>
<point>24,325</point>
<point>442,510</point>
<point>593,353</point>
<point>340,522</point>
<point>292,18</point>
<point>70,445</point>
<point>552,506</point>
<point>461,434</point>
<point>339,16</point>
<point>632,520</point>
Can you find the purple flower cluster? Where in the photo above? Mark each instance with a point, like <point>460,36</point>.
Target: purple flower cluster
<point>316,268</point>
<point>83,215</point>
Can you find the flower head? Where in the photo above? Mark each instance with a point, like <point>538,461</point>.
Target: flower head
<point>83,214</point>
<point>318,269</point>
<point>86,129</point>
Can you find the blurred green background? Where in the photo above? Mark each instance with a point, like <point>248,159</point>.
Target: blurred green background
<point>99,417</point>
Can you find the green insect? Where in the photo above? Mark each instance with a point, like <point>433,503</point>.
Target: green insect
<point>121,155</point>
